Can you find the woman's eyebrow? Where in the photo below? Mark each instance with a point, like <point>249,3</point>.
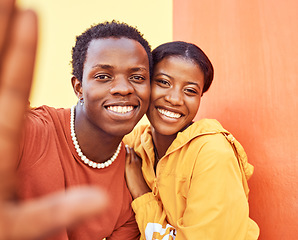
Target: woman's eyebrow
<point>164,74</point>
<point>193,83</point>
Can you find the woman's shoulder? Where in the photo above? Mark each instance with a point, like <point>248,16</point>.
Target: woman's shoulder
<point>142,130</point>
<point>206,125</point>
<point>211,134</point>
<point>200,130</point>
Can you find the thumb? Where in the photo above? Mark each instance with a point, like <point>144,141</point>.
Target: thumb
<point>128,155</point>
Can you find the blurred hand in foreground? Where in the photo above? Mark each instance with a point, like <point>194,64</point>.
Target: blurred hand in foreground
<point>40,217</point>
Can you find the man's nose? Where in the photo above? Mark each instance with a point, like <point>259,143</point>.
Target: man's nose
<point>122,86</point>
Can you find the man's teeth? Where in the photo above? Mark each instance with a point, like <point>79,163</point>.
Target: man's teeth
<point>120,109</point>
<point>168,113</point>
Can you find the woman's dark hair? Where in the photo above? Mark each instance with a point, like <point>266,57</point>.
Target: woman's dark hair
<point>188,51</point>
<point>104,30</point>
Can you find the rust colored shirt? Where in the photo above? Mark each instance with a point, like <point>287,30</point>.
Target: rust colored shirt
<point>49,162</point>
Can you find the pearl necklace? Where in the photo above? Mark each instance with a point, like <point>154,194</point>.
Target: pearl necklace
<point>79,151</point>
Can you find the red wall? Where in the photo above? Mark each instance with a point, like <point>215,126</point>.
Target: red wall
<point>254,48</point>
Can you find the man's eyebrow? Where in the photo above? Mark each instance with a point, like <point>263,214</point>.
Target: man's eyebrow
<point>107,66</point>
<point>135,69</point>
<point>104,66</point>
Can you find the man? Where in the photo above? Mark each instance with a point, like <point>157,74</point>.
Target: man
<point>61,148</point>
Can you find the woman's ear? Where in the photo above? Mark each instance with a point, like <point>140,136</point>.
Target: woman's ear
<point>77,87</point>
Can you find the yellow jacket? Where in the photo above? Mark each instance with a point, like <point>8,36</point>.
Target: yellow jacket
<point>200,188</point>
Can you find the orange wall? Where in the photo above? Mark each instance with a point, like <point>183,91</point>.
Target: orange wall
<point>254,48</point>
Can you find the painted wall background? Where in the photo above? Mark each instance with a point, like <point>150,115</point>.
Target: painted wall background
<point>60,21</point>
<point>254,48</point>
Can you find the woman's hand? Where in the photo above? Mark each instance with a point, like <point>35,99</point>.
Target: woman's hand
<point>133,174</point>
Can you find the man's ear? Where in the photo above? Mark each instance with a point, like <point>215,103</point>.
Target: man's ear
<point>77,87</point>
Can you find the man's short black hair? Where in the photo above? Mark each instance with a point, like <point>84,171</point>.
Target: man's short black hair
<point>104,30</point>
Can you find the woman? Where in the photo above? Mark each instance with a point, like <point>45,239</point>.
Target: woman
<point>195,173</point>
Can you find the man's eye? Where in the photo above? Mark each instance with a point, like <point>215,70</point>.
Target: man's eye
<point>102,77</point>
<point>137,78</point>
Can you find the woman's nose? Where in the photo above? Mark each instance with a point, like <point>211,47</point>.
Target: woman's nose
<point>175,97</point>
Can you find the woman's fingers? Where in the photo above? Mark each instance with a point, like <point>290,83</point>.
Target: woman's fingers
<point>128,155</point>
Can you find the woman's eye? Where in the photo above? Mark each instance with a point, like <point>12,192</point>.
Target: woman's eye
<point>162,82</point>
<point>191,91</point>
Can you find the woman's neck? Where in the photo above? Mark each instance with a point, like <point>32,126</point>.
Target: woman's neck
<point>161,143</point>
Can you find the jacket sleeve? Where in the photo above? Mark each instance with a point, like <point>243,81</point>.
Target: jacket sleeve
<point>151,218</point>
<point>216,204</point>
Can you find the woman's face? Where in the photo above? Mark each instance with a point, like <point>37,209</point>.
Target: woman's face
<point>176,90</point>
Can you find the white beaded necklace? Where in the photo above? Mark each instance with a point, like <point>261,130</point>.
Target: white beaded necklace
<point>79,151</point>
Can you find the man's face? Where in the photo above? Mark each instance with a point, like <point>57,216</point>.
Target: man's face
<point>115,84</point>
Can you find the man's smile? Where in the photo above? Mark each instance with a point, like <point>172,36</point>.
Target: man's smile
<point>120,109</point>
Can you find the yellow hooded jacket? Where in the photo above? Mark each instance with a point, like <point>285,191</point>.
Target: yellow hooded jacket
<point>200,187</point>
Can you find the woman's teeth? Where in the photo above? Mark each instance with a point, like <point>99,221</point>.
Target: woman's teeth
<point>168,113</point>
